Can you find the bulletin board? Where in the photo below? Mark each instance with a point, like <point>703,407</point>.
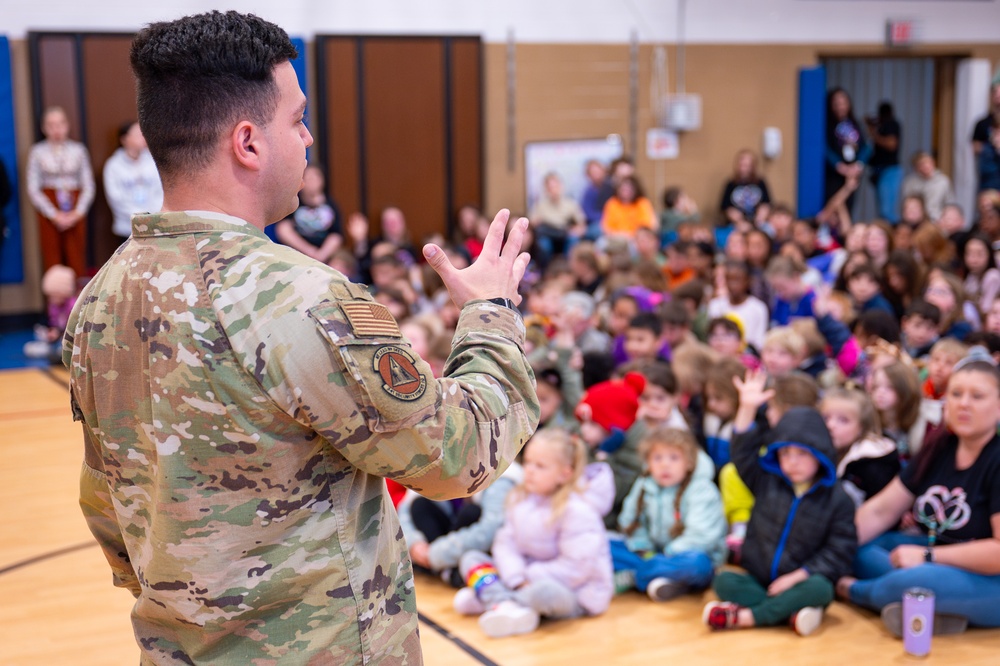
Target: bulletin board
<point>568,159</point>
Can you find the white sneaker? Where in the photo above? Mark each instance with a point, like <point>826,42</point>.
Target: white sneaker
<point>508,618</point>
<point>467,603</point>
<point>807,620</point>
<point>665,589</point>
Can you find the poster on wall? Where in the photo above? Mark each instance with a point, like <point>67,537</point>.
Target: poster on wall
<point>569,160</point>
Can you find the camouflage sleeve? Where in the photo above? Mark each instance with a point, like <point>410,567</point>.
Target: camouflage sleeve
<point>361,386</point>
<point>99,512</point>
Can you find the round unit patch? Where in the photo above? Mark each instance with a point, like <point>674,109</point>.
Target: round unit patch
<point>400,377</point>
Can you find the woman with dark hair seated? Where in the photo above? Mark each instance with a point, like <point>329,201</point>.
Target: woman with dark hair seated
<point>952,490</point>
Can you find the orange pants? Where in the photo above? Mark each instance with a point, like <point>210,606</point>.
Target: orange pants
<point>67,247</point>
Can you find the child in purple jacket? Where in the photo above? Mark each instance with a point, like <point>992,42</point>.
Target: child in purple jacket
<point>551,558</point>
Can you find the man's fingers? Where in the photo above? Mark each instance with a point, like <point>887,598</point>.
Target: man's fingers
<point>439,262</point>
<point>517,273</point>
<point>494,237</point>
<point>514,240</point>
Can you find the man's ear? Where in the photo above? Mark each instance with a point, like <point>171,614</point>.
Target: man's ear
<point>246,142</point>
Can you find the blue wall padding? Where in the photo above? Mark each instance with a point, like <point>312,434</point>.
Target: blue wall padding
<point>812,140</point>
<point>299,65</point>
<point>11,258</point>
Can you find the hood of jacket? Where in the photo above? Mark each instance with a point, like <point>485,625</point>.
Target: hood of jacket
<point>802,427</point>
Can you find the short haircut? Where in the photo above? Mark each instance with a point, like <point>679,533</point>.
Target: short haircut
<point>864,270</point>
<point>693,290</point>
<point>720,379</point>
<point>879,323</point>
<point>786,338</point>
<point>728,323</point>
<point>670,196</point>
<point>920,308</point>
<point>782,209</point>
<point>990,341</point>
<point>580,301</point>
<point>783,266</point>
<point>795,389</point>
<point>674,313</point>
<point>659,373</point>
<point>198,76</point>
<point>950,346</point>
<point>647,321</point>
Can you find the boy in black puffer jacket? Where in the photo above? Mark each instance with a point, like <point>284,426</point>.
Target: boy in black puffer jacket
<point>801,535</point>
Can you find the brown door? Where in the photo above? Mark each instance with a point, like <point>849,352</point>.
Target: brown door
<point>400,125</point>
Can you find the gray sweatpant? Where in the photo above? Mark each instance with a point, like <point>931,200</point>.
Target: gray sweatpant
<point>548,598</point>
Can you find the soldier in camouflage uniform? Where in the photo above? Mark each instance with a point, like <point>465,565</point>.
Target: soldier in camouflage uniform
<point>241,402</point>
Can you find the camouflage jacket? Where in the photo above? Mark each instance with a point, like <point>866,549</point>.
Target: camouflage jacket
<point>240,403</point>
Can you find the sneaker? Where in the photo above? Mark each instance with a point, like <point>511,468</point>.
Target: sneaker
<point>665,589</point>
<point>624,581</point>
<point>806,620</point>
<point>721,615</point>
<point>508,618</point>
<point>945,624</point>
<point>467,603</point>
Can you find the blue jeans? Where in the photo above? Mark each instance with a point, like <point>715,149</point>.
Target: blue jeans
<point>692,568</point>
<point>959,592</point>
<point>887,189</point>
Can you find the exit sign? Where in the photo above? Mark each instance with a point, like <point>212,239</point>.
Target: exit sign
<point>901,32</point>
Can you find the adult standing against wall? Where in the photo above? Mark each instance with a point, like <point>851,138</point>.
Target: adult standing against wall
<point>61,188</point>
<point>887,174</point>
<point>241,401</point>
<point>746,202</point>
<point>986,143</point>
<point>847,152</point>
<point>131,181</point>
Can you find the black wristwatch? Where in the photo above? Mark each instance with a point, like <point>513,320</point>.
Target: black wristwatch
<point>928,554</point>
<point>503,302</point>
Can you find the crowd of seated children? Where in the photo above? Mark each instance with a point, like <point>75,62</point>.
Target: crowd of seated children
<point>729,384</point>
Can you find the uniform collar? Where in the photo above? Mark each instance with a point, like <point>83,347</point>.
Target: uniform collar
<point>189,221</point>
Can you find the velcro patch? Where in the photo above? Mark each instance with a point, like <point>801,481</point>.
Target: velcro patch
<point>370,320</point>
<point>400,377</point>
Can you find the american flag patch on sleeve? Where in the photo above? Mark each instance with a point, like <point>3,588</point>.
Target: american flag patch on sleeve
<point>370,320</point>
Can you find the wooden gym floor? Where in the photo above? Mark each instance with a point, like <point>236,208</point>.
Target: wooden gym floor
<point>58,607</point>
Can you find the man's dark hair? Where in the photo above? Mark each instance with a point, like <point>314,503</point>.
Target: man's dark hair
<point>920,308</point>
<point>647,321</point>
<point>199,75</point>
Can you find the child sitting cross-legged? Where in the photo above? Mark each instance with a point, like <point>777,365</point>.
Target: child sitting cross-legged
<point>551,557</point>
<point>801,536</point>
<point>672,520</point>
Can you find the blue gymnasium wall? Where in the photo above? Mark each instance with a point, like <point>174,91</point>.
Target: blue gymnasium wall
<point>812,141</point>
<point>11,259</point>
<point>299,65</point>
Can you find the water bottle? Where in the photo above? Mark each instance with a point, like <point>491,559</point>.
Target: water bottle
<point>918,621</point>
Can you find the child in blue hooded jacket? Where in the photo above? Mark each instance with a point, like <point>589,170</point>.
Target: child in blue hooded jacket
<point>801,537</point>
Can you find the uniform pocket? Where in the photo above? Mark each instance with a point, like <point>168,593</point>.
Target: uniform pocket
<point>394,387</point>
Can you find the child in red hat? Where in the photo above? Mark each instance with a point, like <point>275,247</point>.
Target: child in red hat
<point>607,410</point>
